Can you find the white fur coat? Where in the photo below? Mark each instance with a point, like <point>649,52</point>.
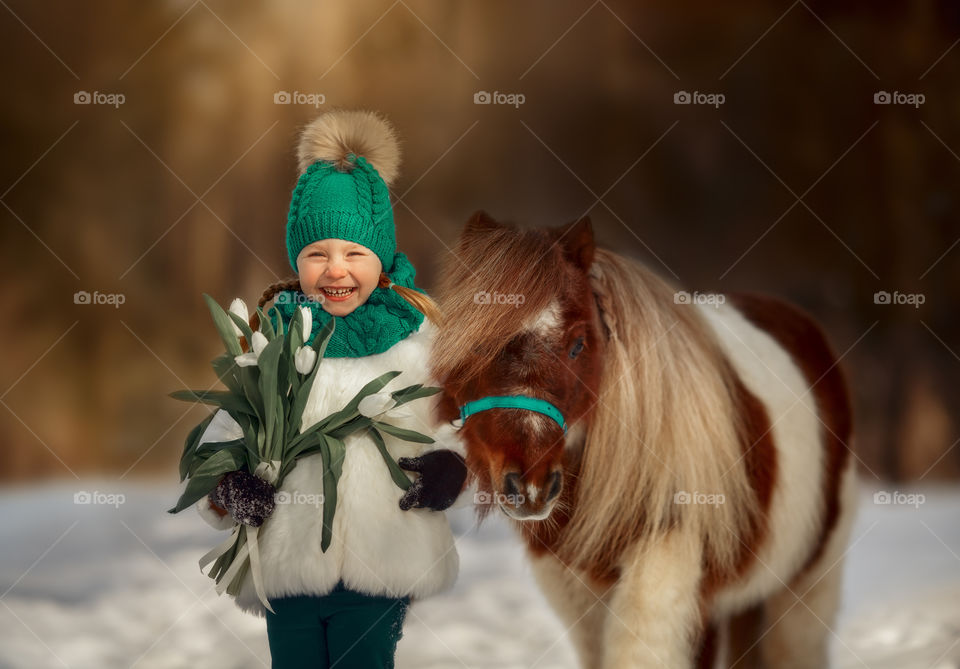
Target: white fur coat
<point>376,547</point>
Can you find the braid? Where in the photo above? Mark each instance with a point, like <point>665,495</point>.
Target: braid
<point>273,289</point>
<point>419,301</point>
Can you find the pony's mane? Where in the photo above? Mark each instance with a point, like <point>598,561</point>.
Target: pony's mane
<point>667,421</point>
<point>524,265</point>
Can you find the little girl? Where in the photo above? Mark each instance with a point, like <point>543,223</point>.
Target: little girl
<point>346,606</point>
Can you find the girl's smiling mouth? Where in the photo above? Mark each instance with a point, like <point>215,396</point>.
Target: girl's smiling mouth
<point>338,293</point>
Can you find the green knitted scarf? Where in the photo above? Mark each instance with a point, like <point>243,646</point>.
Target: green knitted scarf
<point>373,327</point>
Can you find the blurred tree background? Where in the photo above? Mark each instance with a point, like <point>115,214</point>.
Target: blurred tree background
<point>799,184</point>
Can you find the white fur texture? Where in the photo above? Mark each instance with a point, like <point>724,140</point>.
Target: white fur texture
<point>376,548</point>
<point>334,135</point>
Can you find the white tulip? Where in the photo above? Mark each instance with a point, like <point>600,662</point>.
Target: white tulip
<point>239,307</point>
<point>307,322</point>
<point>259,342</point>
<point>304,359</point>
<point>249,359</point>
<point>376,404</point>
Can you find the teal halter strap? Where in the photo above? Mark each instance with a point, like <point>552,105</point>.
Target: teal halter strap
<point>513,402</point>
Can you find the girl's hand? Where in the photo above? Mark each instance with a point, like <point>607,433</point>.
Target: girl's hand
<point>442,474</point>
<point>247,498</point>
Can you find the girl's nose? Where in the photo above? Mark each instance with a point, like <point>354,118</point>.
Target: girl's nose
<point>335,270</point>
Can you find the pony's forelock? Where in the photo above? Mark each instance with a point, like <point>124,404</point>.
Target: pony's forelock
<point>522,269</point>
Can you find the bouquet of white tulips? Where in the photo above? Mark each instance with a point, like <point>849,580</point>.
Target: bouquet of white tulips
<point>266,392</point>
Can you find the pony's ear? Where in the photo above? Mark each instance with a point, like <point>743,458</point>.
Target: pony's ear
<point>578,244</point>
<point>479,223</point>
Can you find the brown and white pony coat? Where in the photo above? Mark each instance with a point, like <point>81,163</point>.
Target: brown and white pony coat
<point>696,511</point>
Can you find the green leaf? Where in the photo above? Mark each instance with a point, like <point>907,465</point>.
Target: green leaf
<point>268,361</point>
<point>224,326</point>
<point>295,418</point>
<point>249,377</point>
<point>279,327</point>
<point>219,398</point>
<point>243,325</point>
<point>322,338</point>
<point>222,563</point>
<point>406,435</point>
<point>226,369</point>
<point>350,411</point>
<point>208,448</point>
<point>411,393</point>
<point>294,336</point>
<point>205,478</point>
<point>397,474</point>
<point>190,444</point>
<point>329,496</point>
<point>266,327</point>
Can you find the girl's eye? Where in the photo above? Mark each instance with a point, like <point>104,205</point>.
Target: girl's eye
<point>577,347</point>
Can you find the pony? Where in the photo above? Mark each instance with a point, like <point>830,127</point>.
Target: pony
<point>677,465</point>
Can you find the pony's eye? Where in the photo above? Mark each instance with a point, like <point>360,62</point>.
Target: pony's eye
<point>577,347</point>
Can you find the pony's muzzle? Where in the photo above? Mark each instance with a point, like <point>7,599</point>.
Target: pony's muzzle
<point>524,500</point>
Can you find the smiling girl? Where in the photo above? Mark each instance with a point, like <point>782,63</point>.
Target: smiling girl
<point>346,606</point>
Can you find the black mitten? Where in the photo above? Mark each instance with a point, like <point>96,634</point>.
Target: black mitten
<point>442,474</point>
<point>247,498</point>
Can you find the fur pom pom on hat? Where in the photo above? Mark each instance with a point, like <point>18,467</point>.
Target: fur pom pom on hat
<point>333,136</point>
<point>346,160</point>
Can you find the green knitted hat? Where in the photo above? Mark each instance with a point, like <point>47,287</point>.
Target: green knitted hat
<point>347,159</point>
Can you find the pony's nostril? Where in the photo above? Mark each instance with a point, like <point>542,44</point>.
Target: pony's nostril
<point>511,484</point>
<point>556,482</point>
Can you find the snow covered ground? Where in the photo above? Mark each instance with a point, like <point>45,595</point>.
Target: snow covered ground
<point>115,583</point>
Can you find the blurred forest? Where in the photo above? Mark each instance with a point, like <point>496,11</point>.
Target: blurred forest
<point>799,184</point>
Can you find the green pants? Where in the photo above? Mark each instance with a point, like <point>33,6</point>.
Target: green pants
<point>344,629</point>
